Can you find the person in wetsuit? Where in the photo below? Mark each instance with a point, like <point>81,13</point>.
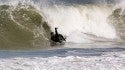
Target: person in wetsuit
<point>57,37</point>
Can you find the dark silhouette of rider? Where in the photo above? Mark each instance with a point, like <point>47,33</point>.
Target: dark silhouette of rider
<point>57,37</point>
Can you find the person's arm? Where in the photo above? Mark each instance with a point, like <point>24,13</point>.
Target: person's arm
<point>56,32</point>
<point>63,38</point>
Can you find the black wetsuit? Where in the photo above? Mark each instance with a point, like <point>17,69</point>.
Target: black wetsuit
<point>57,37</point>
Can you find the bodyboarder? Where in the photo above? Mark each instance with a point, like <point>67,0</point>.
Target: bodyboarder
<point>57,38</point>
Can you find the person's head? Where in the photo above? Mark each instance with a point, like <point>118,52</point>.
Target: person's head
<point>56,28</point>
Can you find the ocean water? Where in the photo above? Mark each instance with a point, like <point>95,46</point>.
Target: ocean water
<point>64,59</point>
<point>94,31</point>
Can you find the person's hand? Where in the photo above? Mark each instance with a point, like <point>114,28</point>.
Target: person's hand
<point>56,28</point>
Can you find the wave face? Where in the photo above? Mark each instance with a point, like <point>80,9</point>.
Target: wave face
<point>27,24</point>
<point>22,27</point>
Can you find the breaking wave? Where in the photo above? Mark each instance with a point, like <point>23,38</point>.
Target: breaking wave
<point>27,23</point>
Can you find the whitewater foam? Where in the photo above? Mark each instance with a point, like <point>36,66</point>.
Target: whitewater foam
<point>83,19</point>
<point>107,61</point>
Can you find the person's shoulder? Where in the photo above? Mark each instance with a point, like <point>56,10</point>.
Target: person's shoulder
<point>60,34</point>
